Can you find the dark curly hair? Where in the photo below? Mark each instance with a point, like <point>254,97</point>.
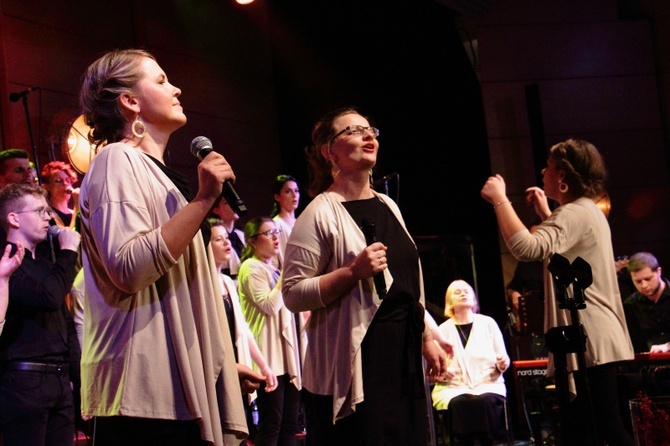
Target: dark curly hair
<point>276,190</point>
<point>583,166</point>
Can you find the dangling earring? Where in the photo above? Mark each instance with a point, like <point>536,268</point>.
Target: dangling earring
<point>370,177</point>
<point>563,188</point>
<point>142,128</point>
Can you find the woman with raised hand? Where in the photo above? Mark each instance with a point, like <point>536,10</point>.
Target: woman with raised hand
<point>574,177</point>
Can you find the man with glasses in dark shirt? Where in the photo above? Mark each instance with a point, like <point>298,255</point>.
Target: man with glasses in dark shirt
<point>39,340</point>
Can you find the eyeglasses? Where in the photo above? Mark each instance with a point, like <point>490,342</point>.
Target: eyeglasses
<point>44,211</point>
<point>269,233</point>
<point>356,130</point>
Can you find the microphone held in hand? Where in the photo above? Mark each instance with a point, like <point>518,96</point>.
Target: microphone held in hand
<point>370,232</point>
<point>54,231</point>
<point>200,148</point>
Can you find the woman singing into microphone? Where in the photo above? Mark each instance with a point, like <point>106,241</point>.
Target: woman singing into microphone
<point>158,365</point>
<point>58,179</point>
<point>363,367</point>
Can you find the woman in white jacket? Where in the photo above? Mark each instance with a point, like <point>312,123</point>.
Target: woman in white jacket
<point>474,391</point>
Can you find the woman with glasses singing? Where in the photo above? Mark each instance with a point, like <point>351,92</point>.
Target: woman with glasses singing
<point>363,367</point>
<point>275,332</point>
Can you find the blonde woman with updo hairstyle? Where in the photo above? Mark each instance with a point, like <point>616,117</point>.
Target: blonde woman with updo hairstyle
<point>157,356</point>
<point>474,389</point>
<point>574,177</point>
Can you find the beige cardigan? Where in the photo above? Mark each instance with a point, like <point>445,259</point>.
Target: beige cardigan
<point>580,229</point>
<point>155,337</point>
<point>324,238</point>
<point>271,323</point>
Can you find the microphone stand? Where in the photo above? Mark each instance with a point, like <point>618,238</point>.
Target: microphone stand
<point>24,99</point>
<point>564,340</point>
<point>385,182</point>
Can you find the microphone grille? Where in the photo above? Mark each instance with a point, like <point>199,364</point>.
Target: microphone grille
<point>54,230</point>
<point>199,143</point>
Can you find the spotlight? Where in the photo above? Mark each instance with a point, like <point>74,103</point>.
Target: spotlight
<point>244,2</point>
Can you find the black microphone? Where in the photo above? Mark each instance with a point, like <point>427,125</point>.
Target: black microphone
<point>370,232</point>
<point>200,148</point>
<point>22,94</point>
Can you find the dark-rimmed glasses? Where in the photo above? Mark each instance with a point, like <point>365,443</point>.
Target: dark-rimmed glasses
<point>269,233</point>
<point>356,130</point>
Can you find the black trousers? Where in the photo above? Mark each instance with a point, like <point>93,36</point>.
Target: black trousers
<point>36,409</point>
<point>132,431</point>
<point>605,401</point>
<point>278,414</point>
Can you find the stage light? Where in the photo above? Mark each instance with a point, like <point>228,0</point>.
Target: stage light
<point>76,147</point>
<point>244,2</point>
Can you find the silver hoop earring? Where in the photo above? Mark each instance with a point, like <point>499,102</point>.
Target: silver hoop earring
<point>139,133</point>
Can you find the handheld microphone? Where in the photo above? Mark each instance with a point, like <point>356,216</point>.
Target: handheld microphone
<point>370,232</point>
<point>14,97</point>
<point>200,148</point>
<point>54,231</point>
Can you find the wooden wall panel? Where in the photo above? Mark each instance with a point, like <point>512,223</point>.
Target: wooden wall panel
<point>565,50</point>
<point>598,80</point>
<point>216,52</point>
<point>532,11</point>
<point>600,104</point>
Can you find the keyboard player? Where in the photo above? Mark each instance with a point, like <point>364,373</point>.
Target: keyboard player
<point>648,308</point>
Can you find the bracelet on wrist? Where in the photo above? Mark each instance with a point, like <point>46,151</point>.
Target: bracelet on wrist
<point>500,203</point>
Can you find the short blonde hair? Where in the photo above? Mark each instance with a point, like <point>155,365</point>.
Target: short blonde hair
<point>448,302</point>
